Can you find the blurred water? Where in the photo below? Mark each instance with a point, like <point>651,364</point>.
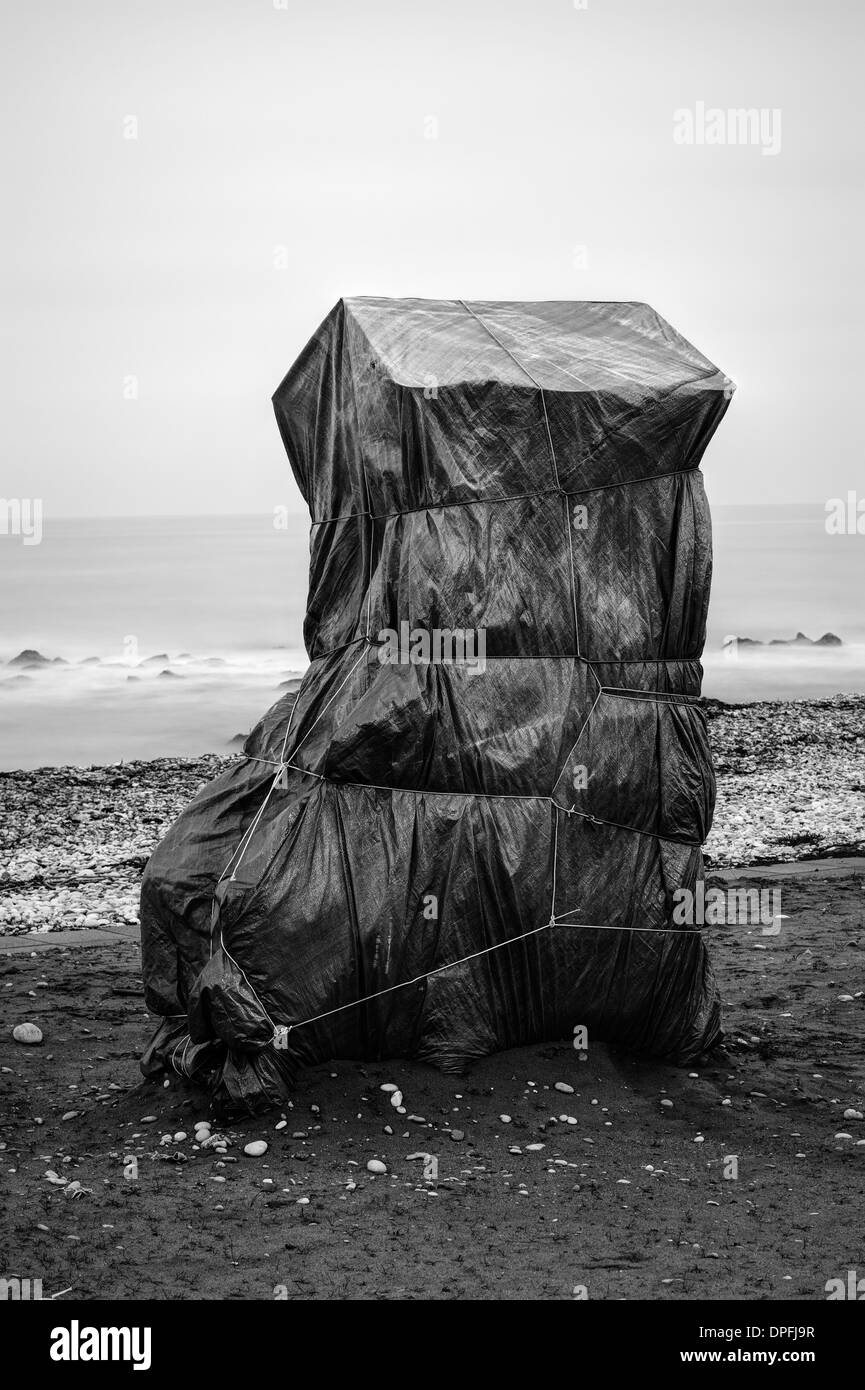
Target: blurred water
<point>777,572</point>
<point>220,600</point>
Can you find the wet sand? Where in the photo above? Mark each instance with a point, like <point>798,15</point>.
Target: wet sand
<point>625,1203</point>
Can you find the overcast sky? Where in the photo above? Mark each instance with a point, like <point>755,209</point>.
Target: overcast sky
<point>306,128</point>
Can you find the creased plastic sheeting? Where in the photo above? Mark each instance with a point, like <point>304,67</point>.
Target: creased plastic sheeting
<point>524,471</point>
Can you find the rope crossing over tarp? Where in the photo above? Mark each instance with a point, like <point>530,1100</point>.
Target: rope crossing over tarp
<point>282,765</point>
<point>281,1031</point>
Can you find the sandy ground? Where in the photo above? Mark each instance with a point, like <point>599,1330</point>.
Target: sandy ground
<point>626,1202</point>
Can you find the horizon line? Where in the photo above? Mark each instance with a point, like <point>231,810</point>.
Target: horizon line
<point>180,516</point>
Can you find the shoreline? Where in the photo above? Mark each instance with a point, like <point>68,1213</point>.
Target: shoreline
<point>75,840</point>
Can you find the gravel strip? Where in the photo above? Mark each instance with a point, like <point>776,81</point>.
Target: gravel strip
<point>74,841</point>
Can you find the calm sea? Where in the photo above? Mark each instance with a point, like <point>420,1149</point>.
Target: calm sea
<point>175,634</point>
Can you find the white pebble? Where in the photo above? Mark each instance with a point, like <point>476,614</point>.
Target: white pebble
<point>852,1114</point>
<point>256,1148</point>
<point>375,1165</point>
<point>505,1119</point>
<point>27,1033</point>
<point>563,1086</point>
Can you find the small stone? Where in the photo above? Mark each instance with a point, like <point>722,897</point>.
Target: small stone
<point>396,1099</point>
<point>70,1115</point>
<point>457,1134</point>
<point>375,1165</point>
<point>505,1119</point>
<point>667,1104</point>
<point>147,1120</point>
<point>281,1124</point>
<point>842,1135</point>
<point>563,1086</point>
<point>852,1114</point>
<point>180,1136</point>
<point>256,1148</point>
<point>388,1086</point>
<point>27,1033</point>
<point>533,1148</point>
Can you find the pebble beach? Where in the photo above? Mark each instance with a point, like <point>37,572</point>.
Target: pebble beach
<point>74,841</point>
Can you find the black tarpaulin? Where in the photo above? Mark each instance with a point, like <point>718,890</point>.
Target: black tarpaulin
<point>497,756</point>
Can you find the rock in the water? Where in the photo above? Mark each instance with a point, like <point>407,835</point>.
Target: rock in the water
<point>29,657</point>
<point>28,1033</point>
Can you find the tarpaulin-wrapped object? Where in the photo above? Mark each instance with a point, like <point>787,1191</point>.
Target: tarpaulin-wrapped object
<point>467,830</point>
